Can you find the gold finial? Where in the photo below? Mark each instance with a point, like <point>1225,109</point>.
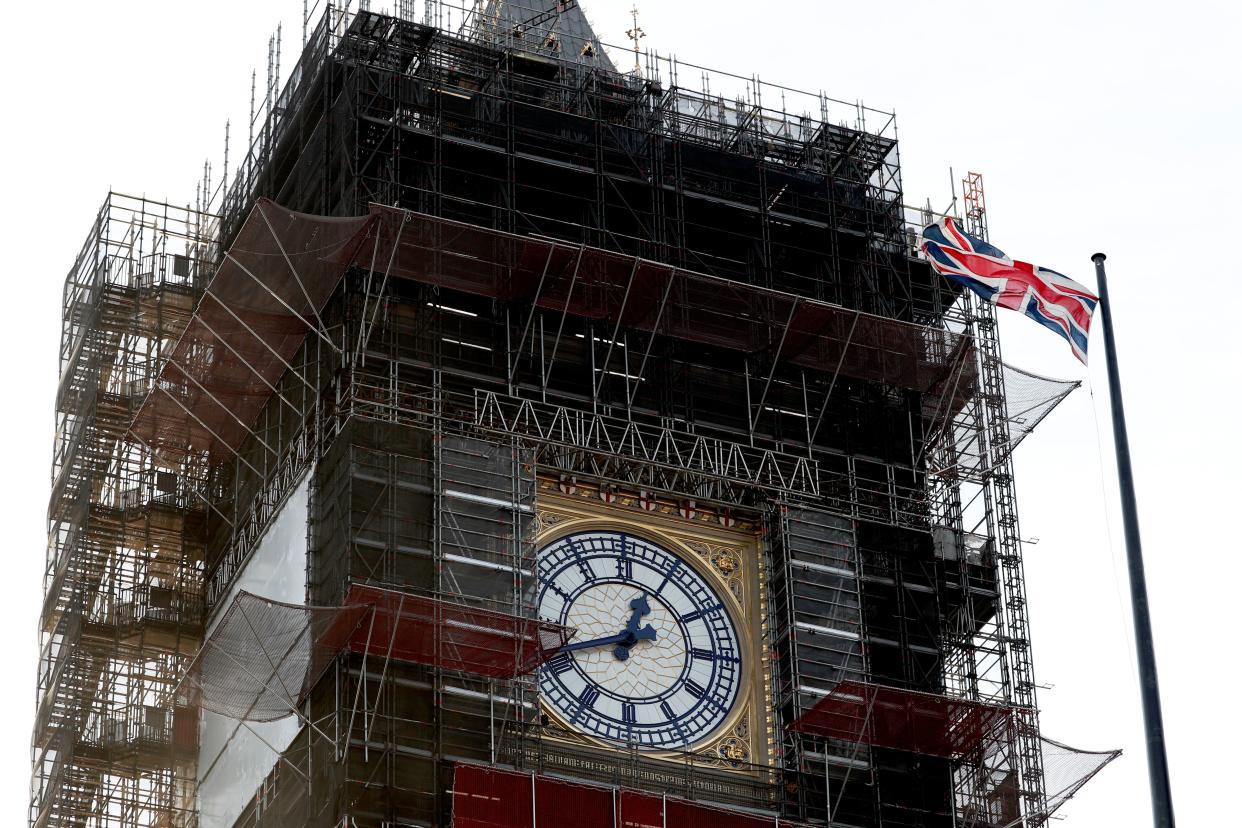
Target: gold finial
<point>635,34</point>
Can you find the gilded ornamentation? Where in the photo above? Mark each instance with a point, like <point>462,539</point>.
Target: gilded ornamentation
<point>733,751</point>
<point>545,520</point>
<point>726,561</point>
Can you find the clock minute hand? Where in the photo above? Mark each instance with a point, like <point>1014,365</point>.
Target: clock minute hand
<point>625,639</point>
<point>596,642</point>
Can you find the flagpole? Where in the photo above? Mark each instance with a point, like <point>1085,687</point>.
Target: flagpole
<point>1153,721</point>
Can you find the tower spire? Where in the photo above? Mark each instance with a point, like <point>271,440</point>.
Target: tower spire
<point>636,34</point>
<point>552,28</point>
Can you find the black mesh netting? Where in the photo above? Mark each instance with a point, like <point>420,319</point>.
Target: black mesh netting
<point>1067,769</point>
<point>1029,398</point>
<point>264,656</point>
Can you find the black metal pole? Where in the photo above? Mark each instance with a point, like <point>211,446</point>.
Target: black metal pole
<point>1153,721</point>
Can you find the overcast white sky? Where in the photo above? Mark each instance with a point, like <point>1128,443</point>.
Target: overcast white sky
<point>1112,126</point>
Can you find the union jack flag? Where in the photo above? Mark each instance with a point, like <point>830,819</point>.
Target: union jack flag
<point>1055,301</point>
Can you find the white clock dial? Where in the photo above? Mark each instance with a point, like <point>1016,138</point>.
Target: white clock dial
<point>656,661</point>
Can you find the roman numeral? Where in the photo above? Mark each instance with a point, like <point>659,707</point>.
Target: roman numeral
<point>672,570</point>
<point>667,711</point>
<point>711,655</point>
<point>588,697</point>
<point>580,558</point>
<point>713,699</point>
<point>561,663</point>
<point>627,712</point>
<point>697,614</point>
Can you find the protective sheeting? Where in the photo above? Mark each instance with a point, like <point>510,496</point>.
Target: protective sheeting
<point>234,757</point>
<point>438,633</point>
<point>1067,769</point>
<point>257,310</point>
<point>1029,398</point>
<point>902,719</point>
<point>277,568</point>
<point>650,296</point>
<point>266,297</point>
<point>263,657</point>
<point>485,797</point>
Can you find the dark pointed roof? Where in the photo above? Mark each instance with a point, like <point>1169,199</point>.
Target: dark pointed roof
<point>543,27</point>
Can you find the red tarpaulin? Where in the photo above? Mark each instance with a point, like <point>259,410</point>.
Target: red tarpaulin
<point>439,633</point>
<point>486,797</point>
<point>263,657</point>
<point>902,719</point>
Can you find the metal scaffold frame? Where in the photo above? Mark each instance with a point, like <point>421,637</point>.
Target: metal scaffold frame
<point>123,603</point>
<point>1000,507</point>
<point>445,127</point>
<point>414,374</point>
<point>448,269</point>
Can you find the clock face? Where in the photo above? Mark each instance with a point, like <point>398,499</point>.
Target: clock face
<point>656,660</point>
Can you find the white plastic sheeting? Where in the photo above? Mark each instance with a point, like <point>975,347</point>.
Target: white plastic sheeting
<point>233,757</point>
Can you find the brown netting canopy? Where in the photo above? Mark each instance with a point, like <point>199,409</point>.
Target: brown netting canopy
<point>263,657</point>
<point>262,302</point>
<point>651,296</point>
<point>890,717</point>
<point>266,297</point>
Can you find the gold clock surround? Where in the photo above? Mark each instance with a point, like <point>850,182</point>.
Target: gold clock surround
<point>730,556</point>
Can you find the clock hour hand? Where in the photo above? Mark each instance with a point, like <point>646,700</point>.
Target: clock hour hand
<point>625,639</point>
<point>639,607</point>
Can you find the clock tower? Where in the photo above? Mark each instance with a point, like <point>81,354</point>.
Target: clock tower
<point>527,441</point>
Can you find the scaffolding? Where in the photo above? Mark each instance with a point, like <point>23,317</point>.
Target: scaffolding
<point>453,270</point>
<point>727,183</point>
<point>123,609</point>
<point>425,483</point>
